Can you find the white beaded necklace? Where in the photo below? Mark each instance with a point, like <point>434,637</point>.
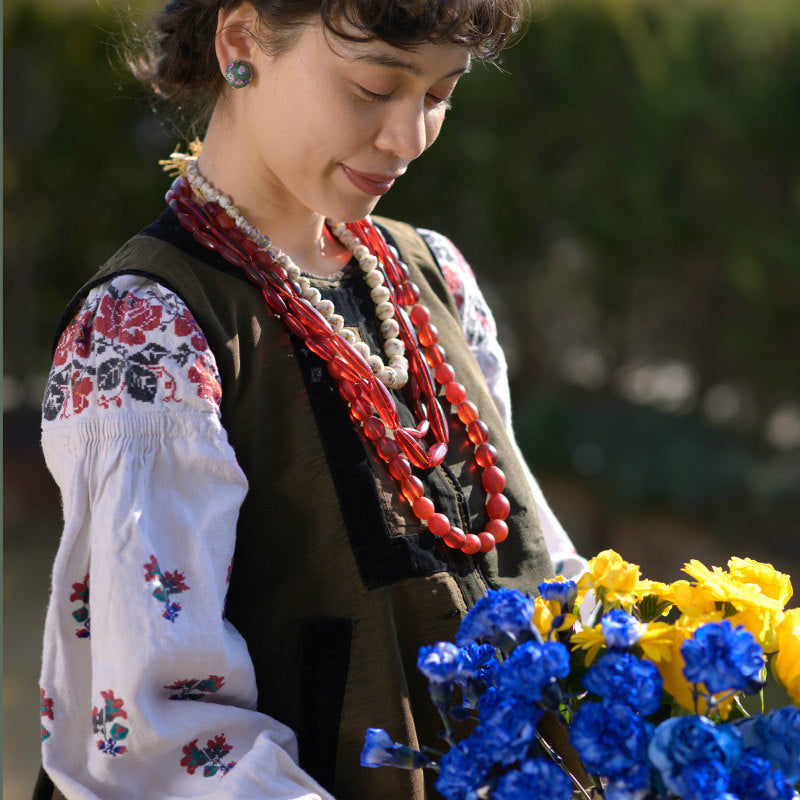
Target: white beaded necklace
<point>395,374</point>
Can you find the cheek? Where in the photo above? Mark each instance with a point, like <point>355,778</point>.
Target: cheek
<point>433,126</point>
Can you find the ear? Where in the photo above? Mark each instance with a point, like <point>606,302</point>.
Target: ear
<point>235,37</point>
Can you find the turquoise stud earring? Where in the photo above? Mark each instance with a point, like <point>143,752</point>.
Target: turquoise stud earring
<point>238,74</point>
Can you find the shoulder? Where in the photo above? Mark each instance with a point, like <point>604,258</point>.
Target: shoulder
<point>131,344</point>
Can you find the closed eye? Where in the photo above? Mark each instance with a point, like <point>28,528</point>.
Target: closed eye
<point>380,98</point>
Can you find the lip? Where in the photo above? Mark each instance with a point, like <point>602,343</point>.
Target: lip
<point>371,183</point>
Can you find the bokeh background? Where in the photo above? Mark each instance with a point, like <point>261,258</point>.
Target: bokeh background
<point>627,188</point>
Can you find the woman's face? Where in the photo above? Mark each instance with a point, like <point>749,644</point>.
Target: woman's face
<point>329,124</point>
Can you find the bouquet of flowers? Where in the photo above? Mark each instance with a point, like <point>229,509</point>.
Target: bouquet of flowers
<point>661,688</point>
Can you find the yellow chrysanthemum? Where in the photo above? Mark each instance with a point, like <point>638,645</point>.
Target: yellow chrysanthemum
<point>773,584</point>
<point>590,639</point>
<point>691,599</point>
<point>645,588</point>
<point>756,611</point>
<point>787,661</point>
<point>656,641</point>
<point>544,614</point>
<point>612,578</point>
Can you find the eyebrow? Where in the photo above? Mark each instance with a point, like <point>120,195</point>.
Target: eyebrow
<point>394,62</point>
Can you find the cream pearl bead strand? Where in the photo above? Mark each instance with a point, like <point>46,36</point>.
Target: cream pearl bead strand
<point>393,375</point>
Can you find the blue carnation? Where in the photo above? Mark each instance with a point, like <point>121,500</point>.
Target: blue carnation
<point>755,779</point>
<point>440,662</point>
<point>563,592</point>
<point>621,677</point>
<point>620,629</point>
<point>507,726</point>
<point>532,667</point>
<point>380,751</point>
<point>535,780</point>
<point>633,785</point>
<point>609,737</point>
<point>724,658</point>
<point>463,770</point>
<point>776,736</point>
<point>476,671</point>
<point>695,742</point>
<point>501,617</point>
<point>704,779</point>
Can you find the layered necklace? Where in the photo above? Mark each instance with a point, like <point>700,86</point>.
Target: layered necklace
<point>415,359</point>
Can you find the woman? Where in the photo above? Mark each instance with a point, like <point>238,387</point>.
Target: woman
<point>275,459</point>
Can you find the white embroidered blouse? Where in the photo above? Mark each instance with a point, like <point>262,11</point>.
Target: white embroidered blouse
<point>149,691</point>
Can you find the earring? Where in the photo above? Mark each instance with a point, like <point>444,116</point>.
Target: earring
<point>238,74</point>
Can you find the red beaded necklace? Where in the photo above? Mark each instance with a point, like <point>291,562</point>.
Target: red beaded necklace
<point>214,227</point>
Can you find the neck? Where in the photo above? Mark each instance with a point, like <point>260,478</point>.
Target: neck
<point>298,231</point>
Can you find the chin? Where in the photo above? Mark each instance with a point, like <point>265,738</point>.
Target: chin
<point>352,211</point>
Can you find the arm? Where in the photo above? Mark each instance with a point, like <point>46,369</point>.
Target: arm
<point>481,332</point>
<point>147,690</point>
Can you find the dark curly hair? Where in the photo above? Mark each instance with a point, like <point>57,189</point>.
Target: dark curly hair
<point>178,62</point>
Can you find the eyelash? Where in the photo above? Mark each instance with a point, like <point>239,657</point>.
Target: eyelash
<point>385,98</point>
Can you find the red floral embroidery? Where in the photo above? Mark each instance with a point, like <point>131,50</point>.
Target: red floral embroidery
<point>140,345</point>
<point>103,722</point>
<point>185,325</point>
<point>208,387</point>
<point>80,593</point>
<point>81,389</point>
<point>126,318</point>
<point>76,339</point>
<point>209,757</point>
<point>45,711</point>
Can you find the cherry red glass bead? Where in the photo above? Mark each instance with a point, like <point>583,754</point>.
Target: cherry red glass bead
<point>412,488</point>
<point>348,390</point>
<point>339,369</point>
<point>487,541</point>
<point>467,412</point>
<point>472,544</point>
<point>455,538</point>
<point>434,355</point>
<point>498,528</point>
<point>455,393</point>
<point>493,480</point>
<point>436,454</point>
<point>274,300</point>
<point>420,371</point>
<point>399,468</point>
<point>423,426</point>
<point>223,220</point>
<point>445,373</point>
<point>374,429</point>
<point>384,402</point>
<point>311,318</point>
<point>423,509</point>
<point>387,449</point>
<point>428,335</point>
<point>361,409</point>
<point>497,506</point>
<point>477,432</point>
<point>420,315</point>
<point>351,355</point>
<point>321,347</point>
<point>485,455</point>
<point>409,293</point>
<point>204,239</point>
<point>438,524</point>
<point>231,256</point>
<point>294,325</point>
<point>411,448</point>
<point>438,421</point>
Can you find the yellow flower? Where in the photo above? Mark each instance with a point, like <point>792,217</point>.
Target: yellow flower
<point>691,599</point>
<point>756,611</point>
<point>787,661</point>
<point>612,578</point>
<point>589,639</point>
<point>773,584</point>
<point>544,615</point>
<point>656,641</point>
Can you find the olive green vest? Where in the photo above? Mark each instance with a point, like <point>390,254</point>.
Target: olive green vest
<point>335,584</point>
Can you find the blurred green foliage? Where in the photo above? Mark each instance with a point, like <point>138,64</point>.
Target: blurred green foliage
<point>628,189</point>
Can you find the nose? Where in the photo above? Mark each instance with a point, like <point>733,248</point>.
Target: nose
<point>406,131</point>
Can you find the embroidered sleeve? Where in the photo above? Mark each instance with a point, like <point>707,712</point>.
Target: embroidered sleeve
<point>147,690</point>
<point>481,332</point>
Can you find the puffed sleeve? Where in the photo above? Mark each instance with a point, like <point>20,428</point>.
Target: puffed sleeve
<point>481,332</point>
<point>146,689</point>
